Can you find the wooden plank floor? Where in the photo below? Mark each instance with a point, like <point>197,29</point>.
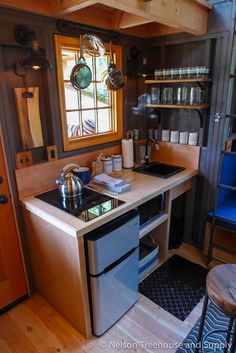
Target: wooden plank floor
<point>35,327</point>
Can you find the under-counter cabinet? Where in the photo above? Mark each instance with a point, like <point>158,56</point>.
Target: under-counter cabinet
<point>13,284</point>
<point>56,243</point>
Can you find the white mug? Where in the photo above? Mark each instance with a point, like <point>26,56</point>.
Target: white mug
<point>150,133</point>
<point>155,132</point>
<point>136,134</point>
<point>174,136</point>
<point>183,138</point>
<point>193,138</point>
<point>165,135</point>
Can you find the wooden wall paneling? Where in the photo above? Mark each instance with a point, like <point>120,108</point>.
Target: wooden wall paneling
<point>42,177</point>
<point>217,42</point>
<point>220,19</point>
<point>209,162</point>
<point>32,79</point>
<point>220,22</point>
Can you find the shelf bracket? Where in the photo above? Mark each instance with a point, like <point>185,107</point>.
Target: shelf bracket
<point>200,118</point>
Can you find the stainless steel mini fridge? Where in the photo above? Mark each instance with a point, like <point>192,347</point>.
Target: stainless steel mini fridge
<point>112,253</point>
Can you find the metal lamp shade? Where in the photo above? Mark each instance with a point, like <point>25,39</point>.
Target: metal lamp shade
<point>144,70</point>
<point>36,60</point>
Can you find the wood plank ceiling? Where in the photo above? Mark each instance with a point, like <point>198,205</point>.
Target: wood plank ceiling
<point>142,18</point>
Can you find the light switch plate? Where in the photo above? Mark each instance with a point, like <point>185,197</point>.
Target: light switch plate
<point>23,159</point>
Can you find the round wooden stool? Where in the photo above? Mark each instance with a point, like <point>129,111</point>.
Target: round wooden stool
<point>221,291</point>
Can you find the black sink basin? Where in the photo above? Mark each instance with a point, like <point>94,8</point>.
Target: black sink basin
<point>160,170</point>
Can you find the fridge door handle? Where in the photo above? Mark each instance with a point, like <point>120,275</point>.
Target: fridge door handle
<point>117,262</point>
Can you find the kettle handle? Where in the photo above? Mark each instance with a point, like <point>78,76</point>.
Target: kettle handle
<point>68,168</point>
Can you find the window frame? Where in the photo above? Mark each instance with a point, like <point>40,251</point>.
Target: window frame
<point>73,143</point>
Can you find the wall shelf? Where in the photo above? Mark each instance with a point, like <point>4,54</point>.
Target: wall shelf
<point>184,80</point>
<point>177,106</point>
<point>199,108</point>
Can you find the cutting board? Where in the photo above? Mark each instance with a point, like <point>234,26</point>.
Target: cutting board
<point>27,106</point>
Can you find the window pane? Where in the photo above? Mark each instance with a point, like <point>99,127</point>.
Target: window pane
<point>88,97</point>
<point>89,122</point>
<point>73,124</point>
<point>104,120</point>
<point>101,66</point>
<point>71,96</point>
<point>68,61</point>
<point>89,62</point>
<point>103,96</point>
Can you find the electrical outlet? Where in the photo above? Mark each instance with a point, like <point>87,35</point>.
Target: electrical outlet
<point>52,153</point>
<point>23,159</point>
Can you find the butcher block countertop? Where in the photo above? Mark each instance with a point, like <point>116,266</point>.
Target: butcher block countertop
<point>143,188</point>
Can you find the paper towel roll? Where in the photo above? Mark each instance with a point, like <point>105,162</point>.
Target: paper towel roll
<point>127,153</point>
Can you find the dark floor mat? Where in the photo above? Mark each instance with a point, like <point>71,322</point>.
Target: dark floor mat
<point>177,286</point>
<point>216,341</point>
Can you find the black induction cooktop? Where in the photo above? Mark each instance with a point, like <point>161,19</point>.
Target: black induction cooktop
<point>89,205</point>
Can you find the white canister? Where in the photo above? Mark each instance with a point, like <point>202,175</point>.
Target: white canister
<point>165,135</point>
<point>117,162</point>
<point>183,137</point>
<point>150,133</point>
<point>193,138</point>
<point>174,136</point>
<point>107,165</point>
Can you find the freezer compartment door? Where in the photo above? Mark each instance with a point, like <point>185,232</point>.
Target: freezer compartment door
<point>110,242</point>
<point>114,292</point>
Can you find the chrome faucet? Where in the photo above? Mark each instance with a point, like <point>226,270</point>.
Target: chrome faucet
<point>151,139</point>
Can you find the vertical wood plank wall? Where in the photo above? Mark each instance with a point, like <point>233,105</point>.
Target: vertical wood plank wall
<point>175,50</point>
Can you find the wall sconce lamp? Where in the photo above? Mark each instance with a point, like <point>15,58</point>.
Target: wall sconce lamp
<point>36,60</point>
<point>137,64</point>
<point>144,70</point>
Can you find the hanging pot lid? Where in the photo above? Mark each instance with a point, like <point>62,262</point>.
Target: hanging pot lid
<point>93,45</point>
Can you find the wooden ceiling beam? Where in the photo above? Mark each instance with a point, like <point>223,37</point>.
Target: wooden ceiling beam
<point>129,20</point>
<point>183,15</point>
<point>42,7</point>
<point>150,30</point>
<point>186,15</point>
<point>64,7</point>
<point>103,19</point>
